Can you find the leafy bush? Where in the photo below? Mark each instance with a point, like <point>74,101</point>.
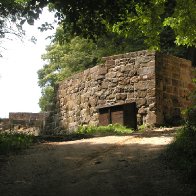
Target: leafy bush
<point>145,127</point>
<point>14,141</point>
<point>181,154</point>
<point>116,129</point>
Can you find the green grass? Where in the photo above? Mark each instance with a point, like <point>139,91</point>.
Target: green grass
<point>11,142</point>
<point>143,127</point>
<point>181,154</point>
<point>115,129</point>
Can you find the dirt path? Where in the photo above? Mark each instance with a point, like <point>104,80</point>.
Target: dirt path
<point>113,165</point>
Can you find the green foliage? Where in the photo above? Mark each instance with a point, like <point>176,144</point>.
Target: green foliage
<point>65,59</point>
<point>146,21</point>
<point>183,22</point>
<point>68,55</point>
<point>115,129</point>
<point>62,61</point>
<point>13,15</point>
<point>46,100</point>
<point>147,17</point>
<point>181,154</point>
<point>113,43</point>
<point>93,19</point>
<point>145,127</point>
<point>10,142</point>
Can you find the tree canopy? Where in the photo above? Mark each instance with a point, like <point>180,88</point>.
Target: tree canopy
<point>13,15</point>
<point>92,18</point>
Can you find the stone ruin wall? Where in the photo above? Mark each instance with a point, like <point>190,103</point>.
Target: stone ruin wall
<point>173,87</point>
<point>24,120</point>
<point>4,124</point>
<point>27,119</point>
<point>27,116</point>
<point>121,79</point>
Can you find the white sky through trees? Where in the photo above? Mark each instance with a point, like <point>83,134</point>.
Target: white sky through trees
<point>19,90</point>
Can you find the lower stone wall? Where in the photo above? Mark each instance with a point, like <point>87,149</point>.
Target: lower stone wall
<point>27,116</point>
<point>173,87</point>
<point>33,123</point>
<point>4,124</point>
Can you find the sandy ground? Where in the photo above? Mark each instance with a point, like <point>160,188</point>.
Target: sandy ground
<point>112,165</point>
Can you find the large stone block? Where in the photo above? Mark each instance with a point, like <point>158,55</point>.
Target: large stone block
<point>142,94</point>
<point>121,96</point>
<point>146,70</point>
<point>141,85</point>
<point>110,75</point>
<point>140,102</point>
<point>151,118</point>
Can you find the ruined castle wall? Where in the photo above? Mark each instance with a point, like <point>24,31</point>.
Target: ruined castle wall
<point>24,122</point>
<point>27,119</point>
<point>27,116</point>
<point>173,87</point>
<point>121,79</point>
<point>4,124</point>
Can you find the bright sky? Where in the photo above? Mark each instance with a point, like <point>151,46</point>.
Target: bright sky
<point>19,90</point>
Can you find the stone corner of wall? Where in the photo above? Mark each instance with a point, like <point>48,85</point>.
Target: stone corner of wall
<point>174,58</point>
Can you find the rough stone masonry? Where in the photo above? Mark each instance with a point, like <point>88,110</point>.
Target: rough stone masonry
<point>159,85</point>
<point>24,122</point>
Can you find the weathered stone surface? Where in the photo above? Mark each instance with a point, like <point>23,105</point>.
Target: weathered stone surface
<point>142,94</point>
<point>121,96</point>
<point>152,106</point>
<point>141,85</point>
<point>146,70</point>
<point>151,118</point>
<point>151,92</point>
<point>102,71</point>
<point>142,110</point>
<point>173,77</point>
<point>24,122</point>
<point>158,84</point>
<point>141,102</point>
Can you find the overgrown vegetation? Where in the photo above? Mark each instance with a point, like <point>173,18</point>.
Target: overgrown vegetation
<point>181,154</point>
<point>11,142</point>
<point>144,127</point>
<point>115,129</point>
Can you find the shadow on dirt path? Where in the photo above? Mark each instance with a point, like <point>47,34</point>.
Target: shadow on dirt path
<point>112,165</point>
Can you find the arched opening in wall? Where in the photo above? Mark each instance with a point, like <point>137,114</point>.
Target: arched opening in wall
<point>125,114</point>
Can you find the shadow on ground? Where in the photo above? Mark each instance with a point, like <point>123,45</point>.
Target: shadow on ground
<point>113,165</point>
<point>73,137</point>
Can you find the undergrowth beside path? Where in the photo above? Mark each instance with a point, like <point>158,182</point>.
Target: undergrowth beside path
<point>181,154</point>
<point>115,129</point>
<point>11,142</point>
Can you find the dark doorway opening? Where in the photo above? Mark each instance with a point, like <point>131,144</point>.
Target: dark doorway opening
<point>125,114</point>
